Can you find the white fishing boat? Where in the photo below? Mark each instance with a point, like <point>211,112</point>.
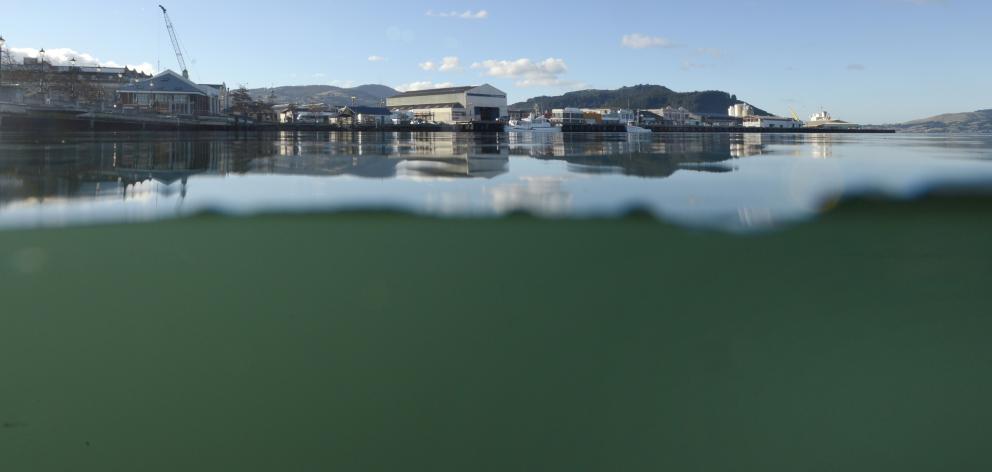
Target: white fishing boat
<point>634,129</point>
<point>823,119</point>
<point>532,124</point>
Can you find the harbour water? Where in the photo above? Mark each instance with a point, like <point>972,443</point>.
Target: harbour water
<point>724,181</point>
<point>376,341</point>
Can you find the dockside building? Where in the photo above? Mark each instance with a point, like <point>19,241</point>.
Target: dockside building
<point>457,105</point>
<point>170,93</point>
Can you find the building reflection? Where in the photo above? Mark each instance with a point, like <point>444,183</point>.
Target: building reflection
<point>133,165</point>
<point>388,155</point>
<point>129,166</point>
<point>123,166</point>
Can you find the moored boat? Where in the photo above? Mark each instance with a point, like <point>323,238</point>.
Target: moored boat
<point>634,129</point>
<point>823,120</point>
<point>532,124</point>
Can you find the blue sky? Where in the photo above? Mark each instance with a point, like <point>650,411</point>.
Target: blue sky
<point>870,61</point>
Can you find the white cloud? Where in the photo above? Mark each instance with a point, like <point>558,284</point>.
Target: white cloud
<point>376,59</point>
<point>448,64</point>
<point>856,67</point>
<point>640,41</point>
<point>465,15</point>
<point>62,56</point>
<point>425,85</point>
<point>342,83</point>
<point>526,72</point>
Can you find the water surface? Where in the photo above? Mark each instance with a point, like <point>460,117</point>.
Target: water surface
<point>727,181</point>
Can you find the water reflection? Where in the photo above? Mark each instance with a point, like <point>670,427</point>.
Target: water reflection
<point>117,164</point>
<point>722,179</point>
<point>386,155</point>
<point>749,145</point>
<point>633,155</point>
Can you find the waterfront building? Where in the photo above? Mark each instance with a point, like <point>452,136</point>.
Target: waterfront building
<point>771,122</point>
<point>722,121</point>
<point>40,81</point>
<point>222,94</point>
<point>317,118</point>
<point>170,93</point>
<point>568,116</point>
<point>678,116</point>
<point>517,115</point>
<point>609,115</point>
<point>365,116</point>
<point>650,118</point>
<point>456,105</point>
<point>285,113</point>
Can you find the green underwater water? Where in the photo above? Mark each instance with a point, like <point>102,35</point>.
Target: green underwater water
<point>371,341</point>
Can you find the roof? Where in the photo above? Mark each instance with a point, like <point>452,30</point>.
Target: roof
<point>332,114</point>
<point>440,91</point>
<point>168,82</point>
<point>368,110</point>
<point>430,106</point>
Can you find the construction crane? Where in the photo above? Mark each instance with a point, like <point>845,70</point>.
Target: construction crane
<point>795,115</point>
<point>175,42</point>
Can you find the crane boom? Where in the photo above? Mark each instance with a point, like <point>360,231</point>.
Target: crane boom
<point>794,114</point>
<point>175,42</point>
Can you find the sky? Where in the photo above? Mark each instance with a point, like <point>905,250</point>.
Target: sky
<point>866,61</point>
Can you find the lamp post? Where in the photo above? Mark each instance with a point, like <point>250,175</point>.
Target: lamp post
<point>72,78</point>
<point>41,60</point>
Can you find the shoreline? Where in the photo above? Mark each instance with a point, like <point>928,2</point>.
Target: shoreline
<point>35,119</point>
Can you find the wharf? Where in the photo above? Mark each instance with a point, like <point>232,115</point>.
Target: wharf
<point>16,117</point>
<point>742,129</point>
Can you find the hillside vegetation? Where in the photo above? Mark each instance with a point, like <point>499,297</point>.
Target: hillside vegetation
<point>365,95</point>
<point>973,122</point>
<point>639,97</point>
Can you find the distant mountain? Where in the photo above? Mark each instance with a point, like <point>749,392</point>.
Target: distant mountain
<point>639,97</point>
<point>366,95</point>
<point>974,122</point>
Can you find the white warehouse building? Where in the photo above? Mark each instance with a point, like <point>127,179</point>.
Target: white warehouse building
<point>483,103</point>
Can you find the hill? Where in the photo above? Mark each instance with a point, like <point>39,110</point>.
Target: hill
<point>974,122</point>
<point>366,95</point>
<point>639,97</point>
